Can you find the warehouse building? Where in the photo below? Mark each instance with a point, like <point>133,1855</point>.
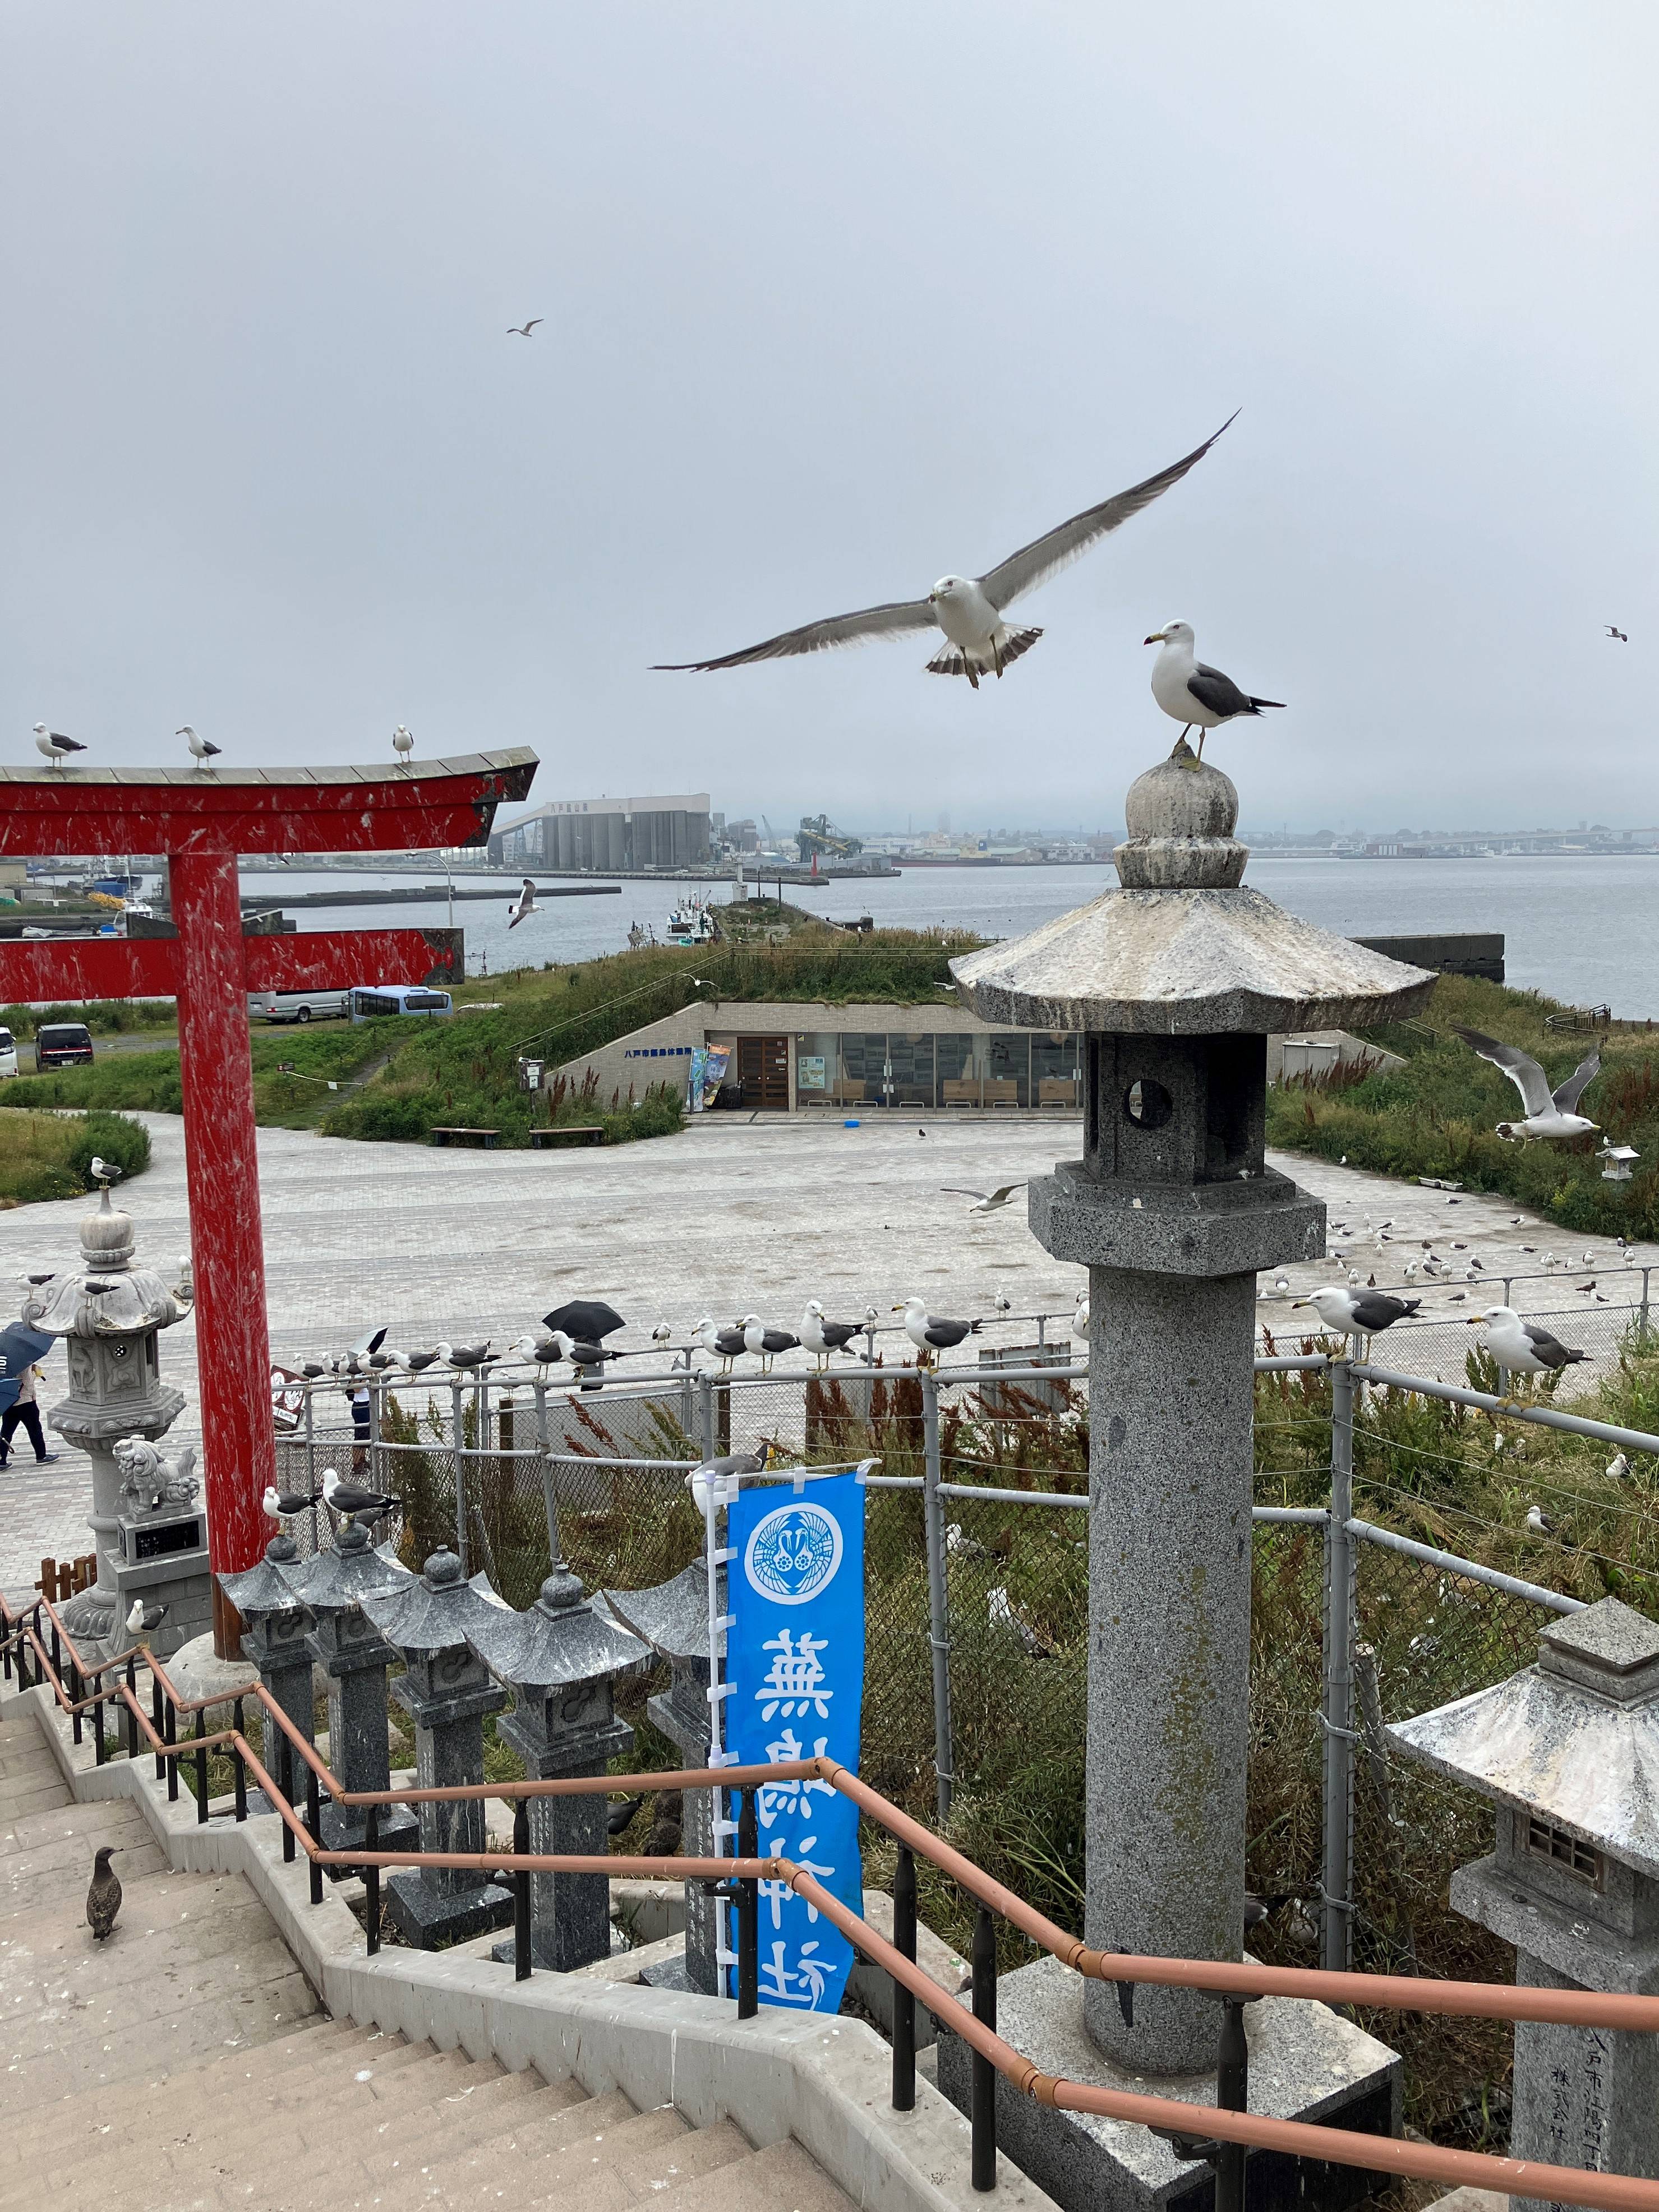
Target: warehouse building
<point>605,835</point>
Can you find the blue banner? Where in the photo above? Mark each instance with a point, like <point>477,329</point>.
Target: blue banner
<point>795,1663</point>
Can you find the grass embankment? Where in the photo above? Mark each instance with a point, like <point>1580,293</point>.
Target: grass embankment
<point>45,1156</point>
<point>103,1017</point>
<point>1437,1114</point>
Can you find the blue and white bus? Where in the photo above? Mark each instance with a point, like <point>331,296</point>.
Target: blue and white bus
<point>370,1001</point>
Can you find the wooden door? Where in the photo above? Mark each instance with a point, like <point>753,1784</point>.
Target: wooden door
<point>764,1073</point>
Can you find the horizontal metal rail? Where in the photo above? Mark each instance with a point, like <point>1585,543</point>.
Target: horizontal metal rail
<point>1483,1402</point>
<point>1466,1570</point>
<point>1299,1517</point>
<point>1011,1497</point>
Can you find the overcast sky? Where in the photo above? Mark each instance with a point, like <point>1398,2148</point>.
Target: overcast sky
<point>837,298</point>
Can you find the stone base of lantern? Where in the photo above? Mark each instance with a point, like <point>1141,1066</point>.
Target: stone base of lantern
<point>344,1826</point>
<point>427,1919</point>
<point>1306,2063</point>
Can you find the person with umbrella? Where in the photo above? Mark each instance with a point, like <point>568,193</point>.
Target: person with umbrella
<point>21,1350</point>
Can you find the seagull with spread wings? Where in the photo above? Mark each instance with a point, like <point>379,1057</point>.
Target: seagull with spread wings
<point>1549,1112</point>
<point>970,609</point>
<point>522,330</point>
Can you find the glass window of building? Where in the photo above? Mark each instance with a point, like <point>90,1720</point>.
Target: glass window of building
<point>863,1064</point>
<point>816,1055</point>
<point>1008,1069</point>
<point>1056,1067</point>
<point>910,1069</point>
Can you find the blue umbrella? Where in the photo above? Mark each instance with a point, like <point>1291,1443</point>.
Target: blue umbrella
<point>19,1347</point>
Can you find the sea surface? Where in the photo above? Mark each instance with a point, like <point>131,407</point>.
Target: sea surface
<point>1583,930</point>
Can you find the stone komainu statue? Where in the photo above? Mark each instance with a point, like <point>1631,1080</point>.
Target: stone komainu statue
<point>148,1481</point>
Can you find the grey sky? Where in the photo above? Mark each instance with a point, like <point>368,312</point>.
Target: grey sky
<point>838,299</point>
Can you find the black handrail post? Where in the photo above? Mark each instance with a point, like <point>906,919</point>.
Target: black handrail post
<point>372,1881</point>
<point>285,1783</point>
<point>982,2101</point>
<point>521,1961</point>
<point>748,1911</point>
<point>155,1723</point>
<point>77,1690</point>
<point>201,1770</point>
<point>904,2001</point>
<point>1232,2095</point>
<point>133,1707</point>
<point>237,1761</point>
<point>22,1660</point>
<point>100,1754</point>
<point>314,1822</point>
<point>170,1733</point>
<point>56,1653</point>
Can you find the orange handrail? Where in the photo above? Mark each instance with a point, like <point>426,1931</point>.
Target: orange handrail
<point>1597,2192</point>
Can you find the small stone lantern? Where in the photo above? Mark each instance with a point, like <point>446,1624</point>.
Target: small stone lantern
<point>446,1691</point>
<point>273,1639</point>
<point>1174,982</point>
<point>150,1545</point>
<point>1566,1751</point>
<point>673,1620</point>
<point>562,1660</point>
<point>344,1642</point>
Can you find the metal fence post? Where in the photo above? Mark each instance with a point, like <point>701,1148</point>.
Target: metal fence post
<point>939,1609</point>
<point>1336,1717</point>
<point>706,1415</point>
<point>462,1548</point>
<point>1641,1325</point>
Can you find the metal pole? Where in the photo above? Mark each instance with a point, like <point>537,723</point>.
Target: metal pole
<point>1232,2095</point>
<point>982,2094</point>
<point>1641,1325</point>
<point>460,1479</point>
<point>521,1960</point>
<point>201,1771</point>
<point>132,1709</point>
<point>904,2001</point>
<point>939,1613</point>
<point>748,1911</point>
<point>706,1415</point>
<point>371,1881</point>
<point>285,1783</point>
<point>1336,1872</point>
<point>314,1823</point>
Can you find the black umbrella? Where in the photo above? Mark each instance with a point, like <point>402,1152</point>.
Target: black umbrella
<point>587,1319</point>
<point>20,1346</point>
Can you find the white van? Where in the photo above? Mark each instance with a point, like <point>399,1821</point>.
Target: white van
<point>8,1054</point>
<point>298,1006</point>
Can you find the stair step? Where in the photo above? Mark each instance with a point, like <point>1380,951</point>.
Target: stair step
<point>782,2178</point>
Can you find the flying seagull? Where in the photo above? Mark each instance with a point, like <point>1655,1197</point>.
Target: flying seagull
<point>522,330</point>
<point>402,743</point>
<point>969,609</point>
<point>1549,1112</point>
<point>1523,1346</point>
<point>1622,635</point>
<point>200,748</point>
<point>525,906</point>
<point>1359,1313</point>
<point>985,1201</point>
<point>104,1897</point>
<point>928,1332</point>
<point>1192,692</point>
<point>54,744</point>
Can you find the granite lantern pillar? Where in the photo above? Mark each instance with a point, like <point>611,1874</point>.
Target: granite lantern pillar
<point>673,1620</point>
<point>1174,981</point>
<point>446,1691</point>
<point>147,1524</point>
<point>561,1659</point>
<point>345,1644</point>
<point>275,1625</point>
<point>1565,1751</point>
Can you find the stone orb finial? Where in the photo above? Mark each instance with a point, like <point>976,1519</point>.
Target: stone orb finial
<point>562,1589</point>
<point>106,1239</point>
<point>443,1568</point>
<point>1181,816</point>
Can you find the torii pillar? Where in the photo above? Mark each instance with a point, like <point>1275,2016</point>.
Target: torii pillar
<point>202,820</point>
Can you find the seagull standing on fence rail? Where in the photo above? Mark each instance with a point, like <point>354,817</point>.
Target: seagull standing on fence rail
<point>766,1343</point>
<point>587,1359</point>
<point>1359,1313</point>
<point>929,1333</point>
<point>823,1337</point>
<point>1524,1347</point>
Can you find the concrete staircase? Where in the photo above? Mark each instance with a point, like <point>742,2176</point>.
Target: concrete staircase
<point>185,2065</point>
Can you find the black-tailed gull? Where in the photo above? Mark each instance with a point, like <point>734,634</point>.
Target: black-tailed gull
<point>1549,1112</point>
<point>1190,691</point>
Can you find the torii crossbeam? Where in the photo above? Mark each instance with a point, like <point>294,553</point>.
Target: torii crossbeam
<point>201,820</point>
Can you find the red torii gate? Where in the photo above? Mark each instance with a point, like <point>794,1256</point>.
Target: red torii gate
<point>201,820</point>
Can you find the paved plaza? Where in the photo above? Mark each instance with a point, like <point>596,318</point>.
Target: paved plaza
<point>730,1217</point>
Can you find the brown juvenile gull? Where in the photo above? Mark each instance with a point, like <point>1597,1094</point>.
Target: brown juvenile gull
<point>104,1896</point>
<point>969,609</point>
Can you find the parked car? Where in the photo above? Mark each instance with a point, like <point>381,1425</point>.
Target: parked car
<point>299,1005</point>
<point>8,1054</point>
<point>63,1044</point>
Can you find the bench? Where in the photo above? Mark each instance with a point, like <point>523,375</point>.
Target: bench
<point>482,1139</point>
<point>573,1132</point>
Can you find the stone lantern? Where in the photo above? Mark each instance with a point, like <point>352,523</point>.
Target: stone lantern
<point>445,1690</point>
<point>333,1587</point>
<point>147,1524</point>
<point>1566,1751</point>
<point>673,1620</point>
<point>274,1638</point>
<point>1174,982</point>
<point>562,1660</point>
